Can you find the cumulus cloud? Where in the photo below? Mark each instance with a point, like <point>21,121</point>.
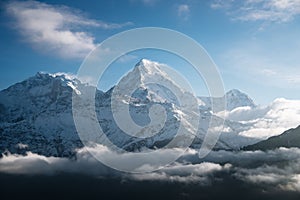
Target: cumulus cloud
<point>86,158</point>
<point>35,164</point>
<point>85,163</point>
<point>293,184</point>
<point>284,178</point>
<point>248,158</point>
<point>201,173</point>
<point>56,29</point>
<point>266,121</point>
<point>279,168</point>
<point>183,11</point>
<point>259,10</point>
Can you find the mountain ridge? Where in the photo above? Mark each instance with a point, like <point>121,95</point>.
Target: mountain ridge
<point>289,138</point>
<point>37,116</point>
<point>232,99</point>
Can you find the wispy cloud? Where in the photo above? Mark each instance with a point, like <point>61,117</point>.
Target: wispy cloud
<point>56,29</point>
<point>127,58</point>
<point>146,2</point>
<point>183,11</point>
<point>260,10</point>
<point>278,67</point>
<point>290,78</point>
<point>219,4</point>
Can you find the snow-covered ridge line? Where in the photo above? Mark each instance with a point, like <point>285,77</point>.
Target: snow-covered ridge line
<point>37,113</point>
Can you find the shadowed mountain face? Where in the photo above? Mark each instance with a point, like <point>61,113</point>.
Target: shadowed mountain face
<point>288,139</point>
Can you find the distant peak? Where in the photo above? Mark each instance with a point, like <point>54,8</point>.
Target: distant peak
<point>235,92</point>
<point>236,98</point>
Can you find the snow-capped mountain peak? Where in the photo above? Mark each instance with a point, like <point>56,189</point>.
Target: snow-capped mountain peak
<point>147,66</point>
<point>236,98</point>
<point>235,92</point>
<point>149,69</point>
<point>233,98</point>
<point>150,77</point>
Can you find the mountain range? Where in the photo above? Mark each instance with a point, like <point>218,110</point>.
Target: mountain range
<point>288,139</point>
<point>36,114</point>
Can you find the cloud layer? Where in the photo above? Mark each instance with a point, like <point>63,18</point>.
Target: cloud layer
<point>263,122</point>
<point>273,169</point>
<point>260,10</point>
<point>56,29</point>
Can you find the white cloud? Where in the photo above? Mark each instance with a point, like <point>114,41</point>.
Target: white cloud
<point>266,121</point>
<point>145,2</point>
<point>278,169</point>
<point>269,72</point>
<point>285,177</point>
<point>56,29</point>
<point>126,58</point>
<point>201,173</point>
<point>291,78</point>
<point>271,61</point>
<point>221,4</point>
<point>247,158</point>
<point>183,11</point>
<point>259,10</point>
<point>293,184</point>
<point>85,163</point>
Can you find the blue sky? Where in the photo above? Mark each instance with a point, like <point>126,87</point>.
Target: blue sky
<point>254,43</point>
